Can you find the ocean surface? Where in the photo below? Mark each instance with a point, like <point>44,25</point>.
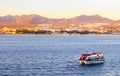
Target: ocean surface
<point>35,55</point>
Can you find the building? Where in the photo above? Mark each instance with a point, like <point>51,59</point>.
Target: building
<point>7,30</point>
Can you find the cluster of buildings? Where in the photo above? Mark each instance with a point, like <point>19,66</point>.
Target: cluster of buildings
<point>7,30</point>
<point>88,28</point>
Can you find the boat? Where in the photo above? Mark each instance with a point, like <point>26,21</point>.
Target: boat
<point>92,58</point>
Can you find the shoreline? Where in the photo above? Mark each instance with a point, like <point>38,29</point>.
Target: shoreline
<point>60,34</point>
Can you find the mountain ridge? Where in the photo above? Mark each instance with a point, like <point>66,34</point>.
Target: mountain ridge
<point>37,19</point>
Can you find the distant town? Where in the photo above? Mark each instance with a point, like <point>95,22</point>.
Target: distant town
<point>34,24</point>
<point>96,28</point>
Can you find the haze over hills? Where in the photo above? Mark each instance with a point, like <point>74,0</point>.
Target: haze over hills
<point>37,19</point>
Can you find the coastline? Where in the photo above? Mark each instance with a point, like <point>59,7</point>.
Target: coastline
<point>60,34</point>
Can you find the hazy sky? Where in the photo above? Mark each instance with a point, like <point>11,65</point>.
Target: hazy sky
<point>61,8</point>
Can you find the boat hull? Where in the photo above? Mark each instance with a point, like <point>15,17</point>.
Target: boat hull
<point>90,62</point>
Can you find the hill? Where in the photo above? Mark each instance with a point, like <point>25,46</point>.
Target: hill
<point>37,19</point>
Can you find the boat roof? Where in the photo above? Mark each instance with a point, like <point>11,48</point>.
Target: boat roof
<point>91,54</point>
<point>96,52</point>
<point>86,54</point>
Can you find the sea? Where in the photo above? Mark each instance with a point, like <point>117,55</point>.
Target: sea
<point>57,55</point>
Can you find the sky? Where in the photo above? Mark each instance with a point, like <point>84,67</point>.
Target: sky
<point>61,8</point>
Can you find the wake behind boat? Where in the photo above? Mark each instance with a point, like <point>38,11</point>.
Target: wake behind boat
<point>93,58</point>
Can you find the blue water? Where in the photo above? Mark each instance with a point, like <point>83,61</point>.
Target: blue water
<point>34,55</point>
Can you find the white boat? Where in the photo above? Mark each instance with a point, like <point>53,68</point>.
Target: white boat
<point>93,58</point>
